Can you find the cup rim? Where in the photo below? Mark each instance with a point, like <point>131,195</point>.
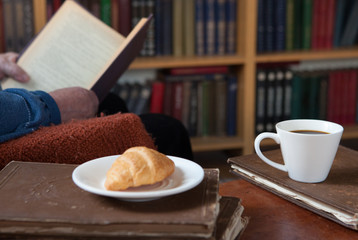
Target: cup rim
<point>319,125</point>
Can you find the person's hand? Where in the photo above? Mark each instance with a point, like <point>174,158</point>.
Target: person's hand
<point>9,68</point>
<point>75,103</point>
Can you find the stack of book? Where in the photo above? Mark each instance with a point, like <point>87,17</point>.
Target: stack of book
<point>285,25</point>
<point>180,27</point>
<point>40,200</point>
<point>307,90</point>
<point>202,98</point>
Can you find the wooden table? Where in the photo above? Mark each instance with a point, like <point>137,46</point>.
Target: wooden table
<point>272,217</point>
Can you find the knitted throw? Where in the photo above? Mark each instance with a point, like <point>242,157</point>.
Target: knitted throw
<point>78,141</point>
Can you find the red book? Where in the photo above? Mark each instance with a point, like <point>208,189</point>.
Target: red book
<point>115,15</point>
<point>124,17</point>
<point>333,102</point>
<point>315,23</point>
<point>56,5</point>
<point>352,96</point>
<point>199,70</point>
<point>329,24</point>
<point>157,98</point>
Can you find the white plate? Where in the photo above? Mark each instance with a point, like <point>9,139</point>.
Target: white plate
<point>91,175</point>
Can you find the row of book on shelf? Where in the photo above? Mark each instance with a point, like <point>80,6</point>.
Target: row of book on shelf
<point>285,25</point>
<point>203,98</point>
<point>307,90</point>
<point>179,27</point>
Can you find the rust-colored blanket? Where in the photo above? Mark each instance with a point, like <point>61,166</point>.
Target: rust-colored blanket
<point>78,141</point>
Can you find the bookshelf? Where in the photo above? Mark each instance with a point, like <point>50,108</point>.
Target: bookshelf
<point>245,60</point>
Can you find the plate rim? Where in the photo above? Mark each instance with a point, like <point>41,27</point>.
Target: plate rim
<point>140,195</point>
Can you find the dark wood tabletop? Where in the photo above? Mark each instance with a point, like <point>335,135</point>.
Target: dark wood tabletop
<point>272,217</point>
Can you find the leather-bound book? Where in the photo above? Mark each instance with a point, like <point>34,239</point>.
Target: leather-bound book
<point>336,198</point>
<point>40,200</point>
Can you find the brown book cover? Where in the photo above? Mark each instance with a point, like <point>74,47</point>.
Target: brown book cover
<point>335,198</point>
<point>40,199</point>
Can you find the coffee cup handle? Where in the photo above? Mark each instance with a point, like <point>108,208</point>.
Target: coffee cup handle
<point>258,140</point>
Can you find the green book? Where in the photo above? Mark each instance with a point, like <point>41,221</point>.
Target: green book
<point>314,88</point>
<point>296,102</point>
<point>106,11</point>
<point>306,23</point>
<point>289,24</point>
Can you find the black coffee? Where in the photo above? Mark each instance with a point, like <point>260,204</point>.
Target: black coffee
<point>309,132</point>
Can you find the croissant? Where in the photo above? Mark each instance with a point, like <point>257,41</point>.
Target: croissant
<point>138,166</point>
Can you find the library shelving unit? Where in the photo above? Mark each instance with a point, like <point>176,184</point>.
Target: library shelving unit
<point>244,62</point>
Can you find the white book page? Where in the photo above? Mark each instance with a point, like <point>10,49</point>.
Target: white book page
<point>74,49</point>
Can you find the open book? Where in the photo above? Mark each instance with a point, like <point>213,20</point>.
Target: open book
<point>77,49</point>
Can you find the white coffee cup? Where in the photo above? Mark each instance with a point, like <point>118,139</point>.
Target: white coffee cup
<point>307,157</point>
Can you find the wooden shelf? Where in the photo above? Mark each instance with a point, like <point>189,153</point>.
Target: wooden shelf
<point>307,55</point>
<point>216,143</point>
<point>175,62</point>
<point>246,61</point>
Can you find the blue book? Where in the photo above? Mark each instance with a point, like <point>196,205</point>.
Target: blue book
<point>351,29</point>
<point>280,25</point>
<point>231,105</point>
<point>260,27</point>
<point>341,6</point>
<point>269,25</point>
<point>209,18</point>
<point>158,26</point>
<point>231,36</point>
<point>167,27</point>
<point>199,27</point>
<point>220,22</point>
